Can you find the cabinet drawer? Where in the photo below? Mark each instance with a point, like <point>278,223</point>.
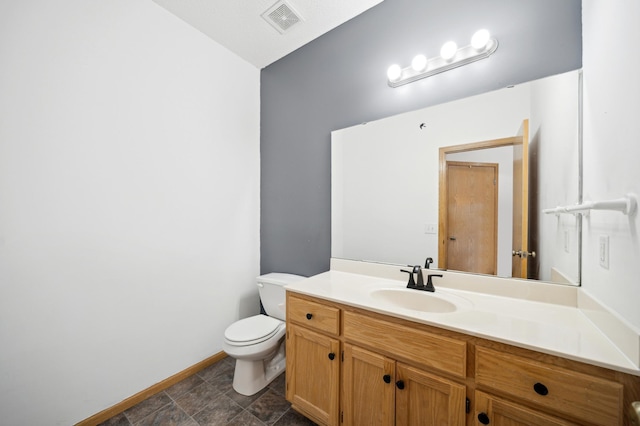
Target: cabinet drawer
<point>412,344</point>
<point>313,315</point>
<point>591,399</point>
<point>499,411</point>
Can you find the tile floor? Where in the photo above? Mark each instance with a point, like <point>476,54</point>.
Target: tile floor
<point>207,398</point>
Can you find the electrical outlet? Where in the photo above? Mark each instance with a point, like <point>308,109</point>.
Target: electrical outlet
<point>603,251</point>
<point>430,228</point>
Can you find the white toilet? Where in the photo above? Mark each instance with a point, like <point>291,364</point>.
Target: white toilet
<point>257,343</point>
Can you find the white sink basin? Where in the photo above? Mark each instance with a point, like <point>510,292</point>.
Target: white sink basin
<point>422,301</point>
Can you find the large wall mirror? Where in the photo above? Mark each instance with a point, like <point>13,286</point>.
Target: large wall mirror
<point>387,182</point>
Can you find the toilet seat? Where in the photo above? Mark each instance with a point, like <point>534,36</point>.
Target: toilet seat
<point>252,330</point>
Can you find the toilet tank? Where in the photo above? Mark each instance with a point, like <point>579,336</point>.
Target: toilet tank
<point>272,293</point>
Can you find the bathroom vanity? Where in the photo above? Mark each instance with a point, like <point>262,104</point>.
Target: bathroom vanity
<point>363,350</point>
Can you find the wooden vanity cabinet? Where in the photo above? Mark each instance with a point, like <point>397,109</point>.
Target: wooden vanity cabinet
<point>313,359</point>
<point>412,360</point>
<point>406,341</point>
<point>589,399</point>
<point>428,399</point>
<point>369,387</point>
<point>389,371</point>
<point>380,391</point>
<point>313,374</point>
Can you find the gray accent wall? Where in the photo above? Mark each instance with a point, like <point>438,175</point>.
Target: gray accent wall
<point>339,80</point>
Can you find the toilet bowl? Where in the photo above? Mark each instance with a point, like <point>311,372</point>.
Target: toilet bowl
<point>257,343</point>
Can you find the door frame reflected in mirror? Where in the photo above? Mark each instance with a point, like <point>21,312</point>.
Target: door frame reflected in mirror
<point>443,211</point>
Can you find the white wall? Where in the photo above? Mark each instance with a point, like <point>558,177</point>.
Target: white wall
<point>554,174</point>
<point>612,150</point>
<point>129,202</point>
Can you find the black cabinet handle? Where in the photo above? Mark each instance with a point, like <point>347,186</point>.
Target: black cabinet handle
<point>483,418</point>
<point>540,389</point>
<point>309,316</point>
<point>400,384</point>
<point>332,356</point>
<point>386,378</point>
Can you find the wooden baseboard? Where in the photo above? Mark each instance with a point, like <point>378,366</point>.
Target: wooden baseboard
<point>106,414</point>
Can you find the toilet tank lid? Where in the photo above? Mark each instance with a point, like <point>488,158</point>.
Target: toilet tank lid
<point>279,278</point>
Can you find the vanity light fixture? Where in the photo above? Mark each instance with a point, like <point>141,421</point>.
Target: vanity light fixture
<point>481,46</point>
<point>419,63</point>
<point>448,51</point>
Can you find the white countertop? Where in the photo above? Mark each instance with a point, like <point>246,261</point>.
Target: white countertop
<point>556,329</point>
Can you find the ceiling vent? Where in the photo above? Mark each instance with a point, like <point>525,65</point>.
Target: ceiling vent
<point>282,16</point>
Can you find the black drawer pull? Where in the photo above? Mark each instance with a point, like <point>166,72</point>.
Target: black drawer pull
<point>540,389</point>
<point>483,418</point>
<point>332,356</point>
<point>400,384</point>
<point>386,378</point>
<point>309,316</point>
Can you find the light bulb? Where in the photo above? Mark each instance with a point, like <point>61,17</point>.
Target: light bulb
<point>449,50</point>
<point>419,63</point>
<point>480,39</point>
<point>394,72</point>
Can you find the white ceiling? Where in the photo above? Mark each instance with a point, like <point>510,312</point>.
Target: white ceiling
<point>239,26</point>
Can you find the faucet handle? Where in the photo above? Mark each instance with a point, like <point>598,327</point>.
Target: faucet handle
<point>429,286</point>
<point>428,262</point>
<point>411,283</point>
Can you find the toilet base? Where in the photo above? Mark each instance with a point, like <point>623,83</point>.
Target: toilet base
<point>250,377</point>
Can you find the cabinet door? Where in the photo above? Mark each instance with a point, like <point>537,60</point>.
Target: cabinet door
<point>499,412</point>
<point>369,388</point>
<point>313,373</point>
<point>425,399</point>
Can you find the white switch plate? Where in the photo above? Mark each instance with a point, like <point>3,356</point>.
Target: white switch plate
<point>430,228</point>
<point>603,251</point>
